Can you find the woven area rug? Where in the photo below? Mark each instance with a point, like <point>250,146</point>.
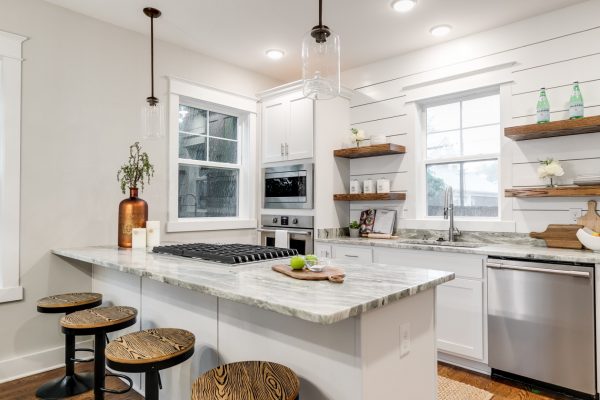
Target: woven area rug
<point>449,389</point>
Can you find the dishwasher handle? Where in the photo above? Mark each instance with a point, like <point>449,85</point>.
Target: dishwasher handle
<point>577,274</point>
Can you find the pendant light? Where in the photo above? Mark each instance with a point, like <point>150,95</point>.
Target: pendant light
<point>153,114</point>
<point>321,61</point>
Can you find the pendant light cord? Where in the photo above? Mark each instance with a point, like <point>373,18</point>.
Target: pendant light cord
<point>152,55</point>
<point>321,14</point>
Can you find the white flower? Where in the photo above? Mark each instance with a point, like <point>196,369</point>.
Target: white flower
<point>358,135</point>
<point>550,168</point>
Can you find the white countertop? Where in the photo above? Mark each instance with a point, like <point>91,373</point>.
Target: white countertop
<point>366,287</point>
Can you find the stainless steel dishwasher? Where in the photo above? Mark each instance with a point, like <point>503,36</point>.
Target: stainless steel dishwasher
<point>541,324</point>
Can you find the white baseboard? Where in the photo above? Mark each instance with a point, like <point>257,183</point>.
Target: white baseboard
<point>35,363</point>
<point>465,363</point>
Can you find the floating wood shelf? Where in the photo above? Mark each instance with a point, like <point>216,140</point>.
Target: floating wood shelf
<point>370,151</point>
<point>561,191</point>
<point>369,197</point>
<point>554,129</point>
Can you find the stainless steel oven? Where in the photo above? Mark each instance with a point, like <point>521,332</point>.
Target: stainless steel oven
<point>299,228</point>
<point>289,186</point>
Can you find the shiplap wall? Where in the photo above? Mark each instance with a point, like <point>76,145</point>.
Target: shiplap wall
<point>550,50</point>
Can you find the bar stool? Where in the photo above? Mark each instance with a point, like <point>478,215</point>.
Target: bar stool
<point>72,383</point>
<point>150,351</point>
<point>248,380</point>
<point>98,322</point>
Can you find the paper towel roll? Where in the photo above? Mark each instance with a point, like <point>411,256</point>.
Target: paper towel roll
<point>282,238</point>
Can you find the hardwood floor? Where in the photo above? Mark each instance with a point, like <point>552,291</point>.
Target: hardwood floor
<point>24,389</point>
<point>501,390</point>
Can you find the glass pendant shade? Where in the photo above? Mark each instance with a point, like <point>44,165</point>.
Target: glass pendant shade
<point>321,66</point>
<point>153,121</point>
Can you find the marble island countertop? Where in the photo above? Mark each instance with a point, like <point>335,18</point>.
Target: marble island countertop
<point>498,250</point>
<point>367,287</point>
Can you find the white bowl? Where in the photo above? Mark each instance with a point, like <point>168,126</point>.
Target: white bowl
<point>588,240</point>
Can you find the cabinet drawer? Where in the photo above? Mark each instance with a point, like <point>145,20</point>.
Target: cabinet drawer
<point>463,265</point>
<point>351,253</point>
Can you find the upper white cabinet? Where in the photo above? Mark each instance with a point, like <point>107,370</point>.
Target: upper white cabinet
<point>287,127</point>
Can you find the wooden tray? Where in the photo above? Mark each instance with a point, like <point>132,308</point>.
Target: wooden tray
<point>560,236</point>
<point>591,219</point>
<point>332,274</point>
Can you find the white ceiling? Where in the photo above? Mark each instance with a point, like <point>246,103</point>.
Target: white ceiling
<point>239,31</point>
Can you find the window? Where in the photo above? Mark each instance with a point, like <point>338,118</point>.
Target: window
<point>10,164</point>
<point>213,181</point>
<point>462,151</point>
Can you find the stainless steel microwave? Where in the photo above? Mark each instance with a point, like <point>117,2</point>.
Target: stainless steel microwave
<point>289,186</point>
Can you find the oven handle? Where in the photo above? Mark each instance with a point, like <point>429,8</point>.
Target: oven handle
<point>306,233</point>
<point>579,274</point>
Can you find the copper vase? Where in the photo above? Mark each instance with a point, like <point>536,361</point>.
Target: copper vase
<point>133,213</point>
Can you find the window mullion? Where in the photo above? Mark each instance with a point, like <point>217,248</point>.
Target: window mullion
<point>208,135</point>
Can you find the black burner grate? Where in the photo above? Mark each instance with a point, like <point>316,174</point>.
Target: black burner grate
<point>226,253</point>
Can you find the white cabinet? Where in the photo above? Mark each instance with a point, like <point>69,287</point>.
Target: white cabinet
<point>353,253</point>
<point>287,127</point>
<point>461,303</point>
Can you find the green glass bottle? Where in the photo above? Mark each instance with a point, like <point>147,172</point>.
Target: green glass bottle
<point>576,103</point>
<point>543,108</point>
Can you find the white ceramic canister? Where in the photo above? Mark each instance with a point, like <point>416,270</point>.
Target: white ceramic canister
<point>354,187</point>
<point>368,186</point>
<point>383,185</point>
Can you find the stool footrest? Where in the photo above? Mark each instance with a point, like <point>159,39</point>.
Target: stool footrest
<point>83,360</point>
<point>116,391</point>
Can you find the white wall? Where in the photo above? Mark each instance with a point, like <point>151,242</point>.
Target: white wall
<point>550,50</point>
<point>84,82</point>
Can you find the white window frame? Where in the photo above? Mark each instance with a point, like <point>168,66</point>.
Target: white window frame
<point>424,161</point>
<point>211,99</point>
<point>10,165</point>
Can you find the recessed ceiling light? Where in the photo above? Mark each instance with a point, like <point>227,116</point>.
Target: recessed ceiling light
<point>404,5</point>
<point>440,30</point>
<point>274,54</point>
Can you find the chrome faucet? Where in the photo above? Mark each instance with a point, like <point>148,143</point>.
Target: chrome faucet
<point>449,214</point>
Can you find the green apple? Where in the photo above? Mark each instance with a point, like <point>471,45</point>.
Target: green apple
<point>297,262</point>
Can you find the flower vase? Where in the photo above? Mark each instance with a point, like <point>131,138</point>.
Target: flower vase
<point>551,184</point>
<point>133,213</point>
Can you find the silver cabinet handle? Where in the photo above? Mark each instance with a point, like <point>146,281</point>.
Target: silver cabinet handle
<point>578,274</point>
<point>282,151</point>
<point>350,255</point>
<point>287,150</point>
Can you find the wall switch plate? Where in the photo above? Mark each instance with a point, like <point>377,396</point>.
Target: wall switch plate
<point>574,213</point>
<point>404,339</point>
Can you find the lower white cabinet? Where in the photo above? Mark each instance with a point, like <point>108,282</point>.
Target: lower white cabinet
<point>461,314</point>
<point>353,253</point>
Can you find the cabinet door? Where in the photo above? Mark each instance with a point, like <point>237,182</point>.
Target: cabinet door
<point>353,253</point>
<point>274,130</point>
<point>299,138</point>
<point>460,315</point>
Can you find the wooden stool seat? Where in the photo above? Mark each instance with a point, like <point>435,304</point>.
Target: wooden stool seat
<point>68,302</point>
<point>247,380</point>
<point>150,346</point>
<point>107,319</point>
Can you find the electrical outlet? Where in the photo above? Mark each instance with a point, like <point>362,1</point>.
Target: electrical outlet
<point>404,339</point>
<point>574,213</point>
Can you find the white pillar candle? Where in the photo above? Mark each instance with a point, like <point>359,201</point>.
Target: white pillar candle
<point>383,185</point>
<point>152,233</point>
<point>138,236</point>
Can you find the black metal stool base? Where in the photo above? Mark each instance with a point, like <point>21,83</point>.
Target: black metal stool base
<point>66,386</point>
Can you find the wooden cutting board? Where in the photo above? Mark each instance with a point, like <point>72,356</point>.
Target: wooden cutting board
<point>560,236</point>
<point>591,219</point>
<point>333,274</point>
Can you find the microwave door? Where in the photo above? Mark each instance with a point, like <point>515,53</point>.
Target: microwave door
<point>286,187</point>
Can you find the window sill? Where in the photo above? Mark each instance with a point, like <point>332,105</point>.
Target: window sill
<point>211,224</point>
<point>462,224</point>
<point>11,294</point>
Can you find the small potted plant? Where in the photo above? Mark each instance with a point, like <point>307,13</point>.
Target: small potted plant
<point>133,212</point>
<point>549,168</point>
<point>354,229</point>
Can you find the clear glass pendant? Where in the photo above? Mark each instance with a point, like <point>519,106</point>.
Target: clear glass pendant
<point>321,65</point>
<point>153,121</point>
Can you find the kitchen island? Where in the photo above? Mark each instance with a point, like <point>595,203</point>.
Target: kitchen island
<point>343,340</point>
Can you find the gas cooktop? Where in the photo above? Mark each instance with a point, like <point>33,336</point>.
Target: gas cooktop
<point>226,253</point>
